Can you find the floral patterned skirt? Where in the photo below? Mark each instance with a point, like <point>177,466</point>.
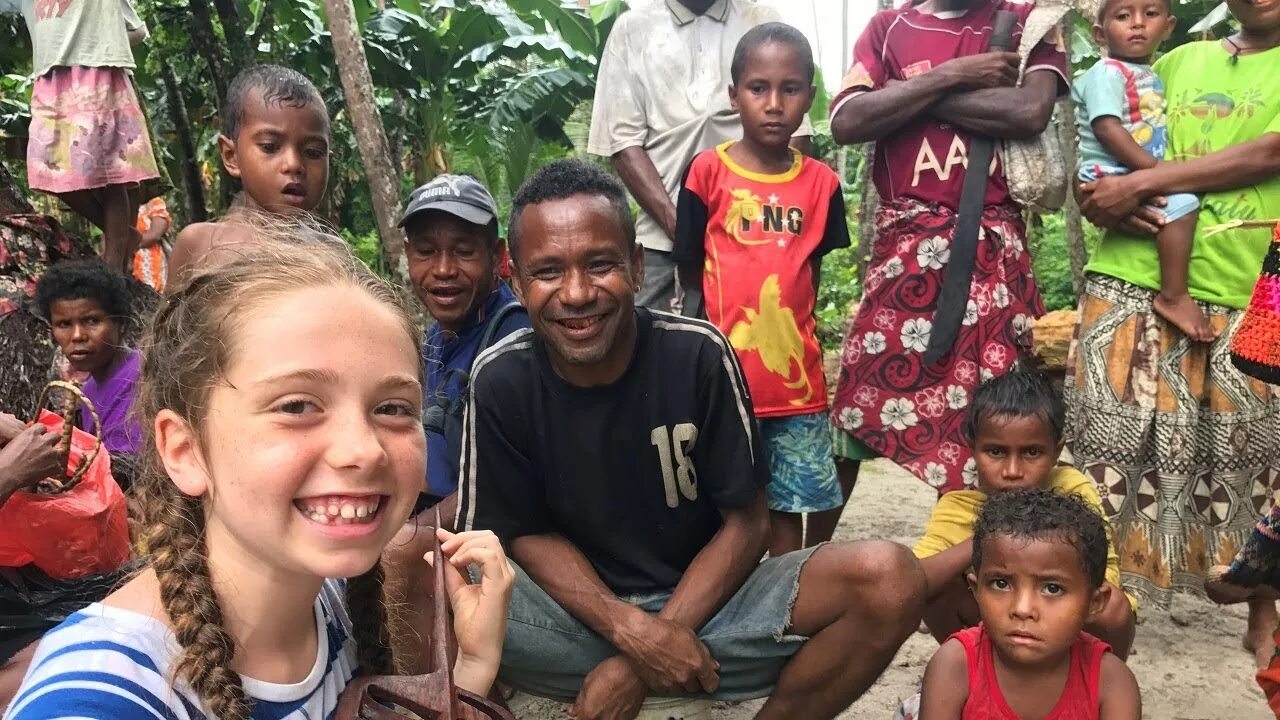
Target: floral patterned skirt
<point>1184,449</point>
<point>887,397</point>
<point>87,131</point>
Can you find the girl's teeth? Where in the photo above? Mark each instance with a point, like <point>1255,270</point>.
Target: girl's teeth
<point>348,512</point>
<point>333,510</point>
<point>362,511</point>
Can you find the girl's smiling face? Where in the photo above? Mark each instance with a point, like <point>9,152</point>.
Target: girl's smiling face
<point>312,450</point>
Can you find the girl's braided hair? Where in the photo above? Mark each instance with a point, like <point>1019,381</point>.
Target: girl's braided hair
<point>189,347</point>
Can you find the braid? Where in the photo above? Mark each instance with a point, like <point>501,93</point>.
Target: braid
<point>176,538</point>
<point>373,639</point>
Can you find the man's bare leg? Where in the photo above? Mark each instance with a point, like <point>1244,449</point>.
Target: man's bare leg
<point>857,602</point>
<point>1259,637</point>
<point>786,532</point>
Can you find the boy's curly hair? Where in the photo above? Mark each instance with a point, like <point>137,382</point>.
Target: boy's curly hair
<point>1045,515</point>
<point>1021,392</point>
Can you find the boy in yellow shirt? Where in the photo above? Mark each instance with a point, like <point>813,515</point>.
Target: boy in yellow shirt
<point>1014,426</point>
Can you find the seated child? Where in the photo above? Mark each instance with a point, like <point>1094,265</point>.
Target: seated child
<point>275,140</point>
<point>87,306</point>
<point>759,217</point>
<point>283,451</point>
<point>1120,116</point>
<point>1038,563</point>
<point>1014,426</point>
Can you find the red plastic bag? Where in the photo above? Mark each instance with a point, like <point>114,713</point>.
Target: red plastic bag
<point>71,534</point>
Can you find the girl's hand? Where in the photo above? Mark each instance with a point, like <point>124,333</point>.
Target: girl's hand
<point>479,611</point>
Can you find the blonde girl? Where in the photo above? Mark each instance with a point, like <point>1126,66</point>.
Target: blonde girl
<point>281,399</point>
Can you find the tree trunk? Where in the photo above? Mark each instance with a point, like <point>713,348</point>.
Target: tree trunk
<point>867,211</point>
<point>357,87</point>
<point>234,32</point>
<point>197,211</point>
<point>205,42</point>
<point>12,201</point>
<point>1069,136</point>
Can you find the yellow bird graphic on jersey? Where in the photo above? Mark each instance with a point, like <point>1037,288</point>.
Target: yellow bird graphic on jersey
<point>746,207</point>
<point>773,332</point>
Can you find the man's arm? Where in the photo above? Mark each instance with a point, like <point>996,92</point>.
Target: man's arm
<point>874,114</point>
<point>667,656</point>
<point>1003,112</point>
<point>721,567</point>
<point>642,179</point>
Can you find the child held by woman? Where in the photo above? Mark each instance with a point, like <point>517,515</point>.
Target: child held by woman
<point>283,450</point>
<point>1120,110</point>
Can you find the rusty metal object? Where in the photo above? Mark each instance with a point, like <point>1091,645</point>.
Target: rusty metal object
<point>430,697</point>
<point>73,399</point>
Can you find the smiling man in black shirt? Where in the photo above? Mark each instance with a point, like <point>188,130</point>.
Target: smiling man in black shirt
<point>613,450</point>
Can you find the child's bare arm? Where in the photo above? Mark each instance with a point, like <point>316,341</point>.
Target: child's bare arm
<point>946,683</point>
<point>1118,694</point>
<point>941,568</point>
<point>1121,144</point>
<point>189,248</point>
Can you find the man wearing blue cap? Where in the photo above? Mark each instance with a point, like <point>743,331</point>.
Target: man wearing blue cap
<point>454,250</point>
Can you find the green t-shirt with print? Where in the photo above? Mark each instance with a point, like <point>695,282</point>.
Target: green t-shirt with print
<point>1212,104</point>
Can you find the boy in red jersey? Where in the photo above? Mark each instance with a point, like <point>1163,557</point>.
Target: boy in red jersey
<point>754,219</point>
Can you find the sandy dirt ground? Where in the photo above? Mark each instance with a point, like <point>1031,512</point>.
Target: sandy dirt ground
<point>1188,659</point>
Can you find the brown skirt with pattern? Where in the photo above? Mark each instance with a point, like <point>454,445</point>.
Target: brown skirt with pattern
<point>1184,449</point>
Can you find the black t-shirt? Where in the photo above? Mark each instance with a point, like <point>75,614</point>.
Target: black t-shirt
<point>633,473</point>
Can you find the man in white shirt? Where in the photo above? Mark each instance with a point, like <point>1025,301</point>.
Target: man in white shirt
<point>662,96</point>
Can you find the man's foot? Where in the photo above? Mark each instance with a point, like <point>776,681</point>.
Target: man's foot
<point>1185,315</point>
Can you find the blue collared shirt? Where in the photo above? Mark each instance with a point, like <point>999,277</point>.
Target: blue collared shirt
<point>444,351</point>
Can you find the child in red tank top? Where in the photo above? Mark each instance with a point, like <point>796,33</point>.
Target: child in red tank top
<point>1038,564</point>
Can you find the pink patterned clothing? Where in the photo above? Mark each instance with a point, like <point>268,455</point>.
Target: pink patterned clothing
<point>87,131</point>
<point>886,396</point>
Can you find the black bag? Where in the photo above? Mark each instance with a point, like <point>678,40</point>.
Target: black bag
<point>445,416</point>
<point>32,603</point>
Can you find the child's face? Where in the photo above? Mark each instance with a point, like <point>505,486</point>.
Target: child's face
<point>281,154</point>
<point>1014,453</point>
<point>1133,29</point>
<point>87,335</point>
<point>773,94</point>
<point>312,452</point>
<point>1034,597</point>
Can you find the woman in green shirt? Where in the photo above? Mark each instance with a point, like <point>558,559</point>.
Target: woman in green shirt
<point>1185,450</point>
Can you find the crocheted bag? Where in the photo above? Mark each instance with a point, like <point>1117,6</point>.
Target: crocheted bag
<point>1034,167</point>
<point>1255,348</point>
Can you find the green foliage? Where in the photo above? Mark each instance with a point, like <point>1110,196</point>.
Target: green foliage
<point>365,246</point>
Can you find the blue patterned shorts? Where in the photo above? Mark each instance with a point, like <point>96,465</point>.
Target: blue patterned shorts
<point>801,464</point>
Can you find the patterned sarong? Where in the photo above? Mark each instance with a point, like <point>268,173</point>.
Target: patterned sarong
<point>1184,449</point>
<point>886,396</point>
<point>88,131</point>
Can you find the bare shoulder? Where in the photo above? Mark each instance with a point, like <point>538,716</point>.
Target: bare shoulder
<point>1118,695</point>
<point>945,689</point>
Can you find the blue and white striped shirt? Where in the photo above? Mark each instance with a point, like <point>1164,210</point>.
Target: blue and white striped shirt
<point>104,662</point>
